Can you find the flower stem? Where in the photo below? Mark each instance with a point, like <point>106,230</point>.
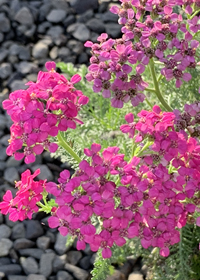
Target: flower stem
<point>65,145</point>
<point>157,89</point>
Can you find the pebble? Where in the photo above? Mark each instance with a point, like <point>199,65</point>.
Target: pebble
<point>4,23</point>
<point>84,5</point>
<point>32,252</point>
<point>40,50</point>
<point>46,262</point>
<point>81,33</point>
<point>5,231</point>
<point>59,262</point>
<point>114,30</point>
<point>60,244</point>
<point>24,16</point>
<point>5,246</point>
<point>11,269</point>
<point>11,175</point>
<point>77,272</point>
<point>117,275</point>
<point>5,70</point>
<point>64,275</point>
<point>45,172</point>
<point>17,277</point>
<point>43,242</point>
<point>56,15</point>
<point>135,276</point>
<point>25,67</point>
<point>33,229</point>
<point>85,262</point>
<point>29,265</point>
<point>36,277</point>
<point>18,231</point>
<point>23,243</point>
<point>96,25</point>
<point>74,257</point>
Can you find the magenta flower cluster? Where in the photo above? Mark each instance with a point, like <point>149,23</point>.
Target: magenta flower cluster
<point>117,65</point>
<point>23,205</point>
<point>150,202</point>
<point>48,106</point>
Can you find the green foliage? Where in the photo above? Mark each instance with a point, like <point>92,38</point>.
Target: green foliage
<point>104,267</point>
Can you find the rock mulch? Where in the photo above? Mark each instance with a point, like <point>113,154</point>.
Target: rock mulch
<point>31,33</point>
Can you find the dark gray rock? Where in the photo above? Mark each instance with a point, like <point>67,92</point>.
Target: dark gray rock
<point>3,154</point>
<point>1,215</point>
<point>60,4</point>
<point>114,30</point>
<point>5,231</point>
<point>10,223</point>
<point>85,262</point>
<point>25,67</point>
<point>63,52</point>
<point>5,138</point>
<point>40,50</point>
<point>24,16</point>
<point>33,229</point>
<point>55,31</point>
<point>59,262</point>
<point>1,37</point>
<point>17,277</point>
<point>75,46</point>
<point>5,246</point>
<point>18,231</point>
<point>11,269</point>
<point>81,33</point>
<point>32,252</point>
<point>74,257</point>
<point>3,122</point>
<point>4,23</point>
<point>43,242</point>
<point>12,162</point>
<point>18,84</point>
<point>96,25</point>
<point>77,272</point>
<point>56,15</point>
<point>5,70</point>
<point>42,28</point>
<point>23,243</point>
<point>86,16</point>
<point>11,175</point>
<point>109,17</point>
<point>46,262</point>
<point>29,265</point>
<point>69,20</point>
<point>3,54</point>
<point>60,245</point>
<point>45,172</point>
<point>36,277</point>
<point>5,260</point>
<point>83,5</point>
<point>64,275</point>
<point>53,53</point>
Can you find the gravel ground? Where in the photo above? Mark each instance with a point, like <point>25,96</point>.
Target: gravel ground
<point>31,33</point>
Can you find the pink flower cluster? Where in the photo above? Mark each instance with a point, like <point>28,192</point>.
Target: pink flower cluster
<point>189,119</point>
<point>150,202</point>
<point>117,65</point>
<point>113,59</point>
<point>156,34</point>
<point>48,106</point>
<point>29,193</point>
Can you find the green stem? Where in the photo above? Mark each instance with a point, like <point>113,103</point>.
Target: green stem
<point>64,144</point>
<point>195,13</point>
<point>149,103</point>
<point>157,89</point>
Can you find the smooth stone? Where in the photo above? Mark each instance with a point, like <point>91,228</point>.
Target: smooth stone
<point>46,262</point>
<point>33,229</point>
<point>5,246</point>
<point>82,33</point>
<point>77,272</point>
<point>40,50</point>
<point>5,70</point>
<point>32,252</point>
<point>85,262</point>
<point>11,175</point>
<point>4,23</point>
<point>12,162</point>
<point>5,231</point>
<point>74,257</point>
<point>23,243</point>
<point>56,15</point>
<point>25,67</point>
<point>36,277</point>
<point>64,275</point>
<point>135,276</point>
<point>24,16</point>
<point>45,172</point>
<point>113,29</point>
<point>18,84</point>
<point>96,25</point>
<point>18,231</point>
<point>17,277</point>
<point>117,275</point>
<point>43,242</point>
<point>60,244</point>
<point>84,5</point>
<point>59,262</point>
<point>29,265</point>
<point>11,269</point>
